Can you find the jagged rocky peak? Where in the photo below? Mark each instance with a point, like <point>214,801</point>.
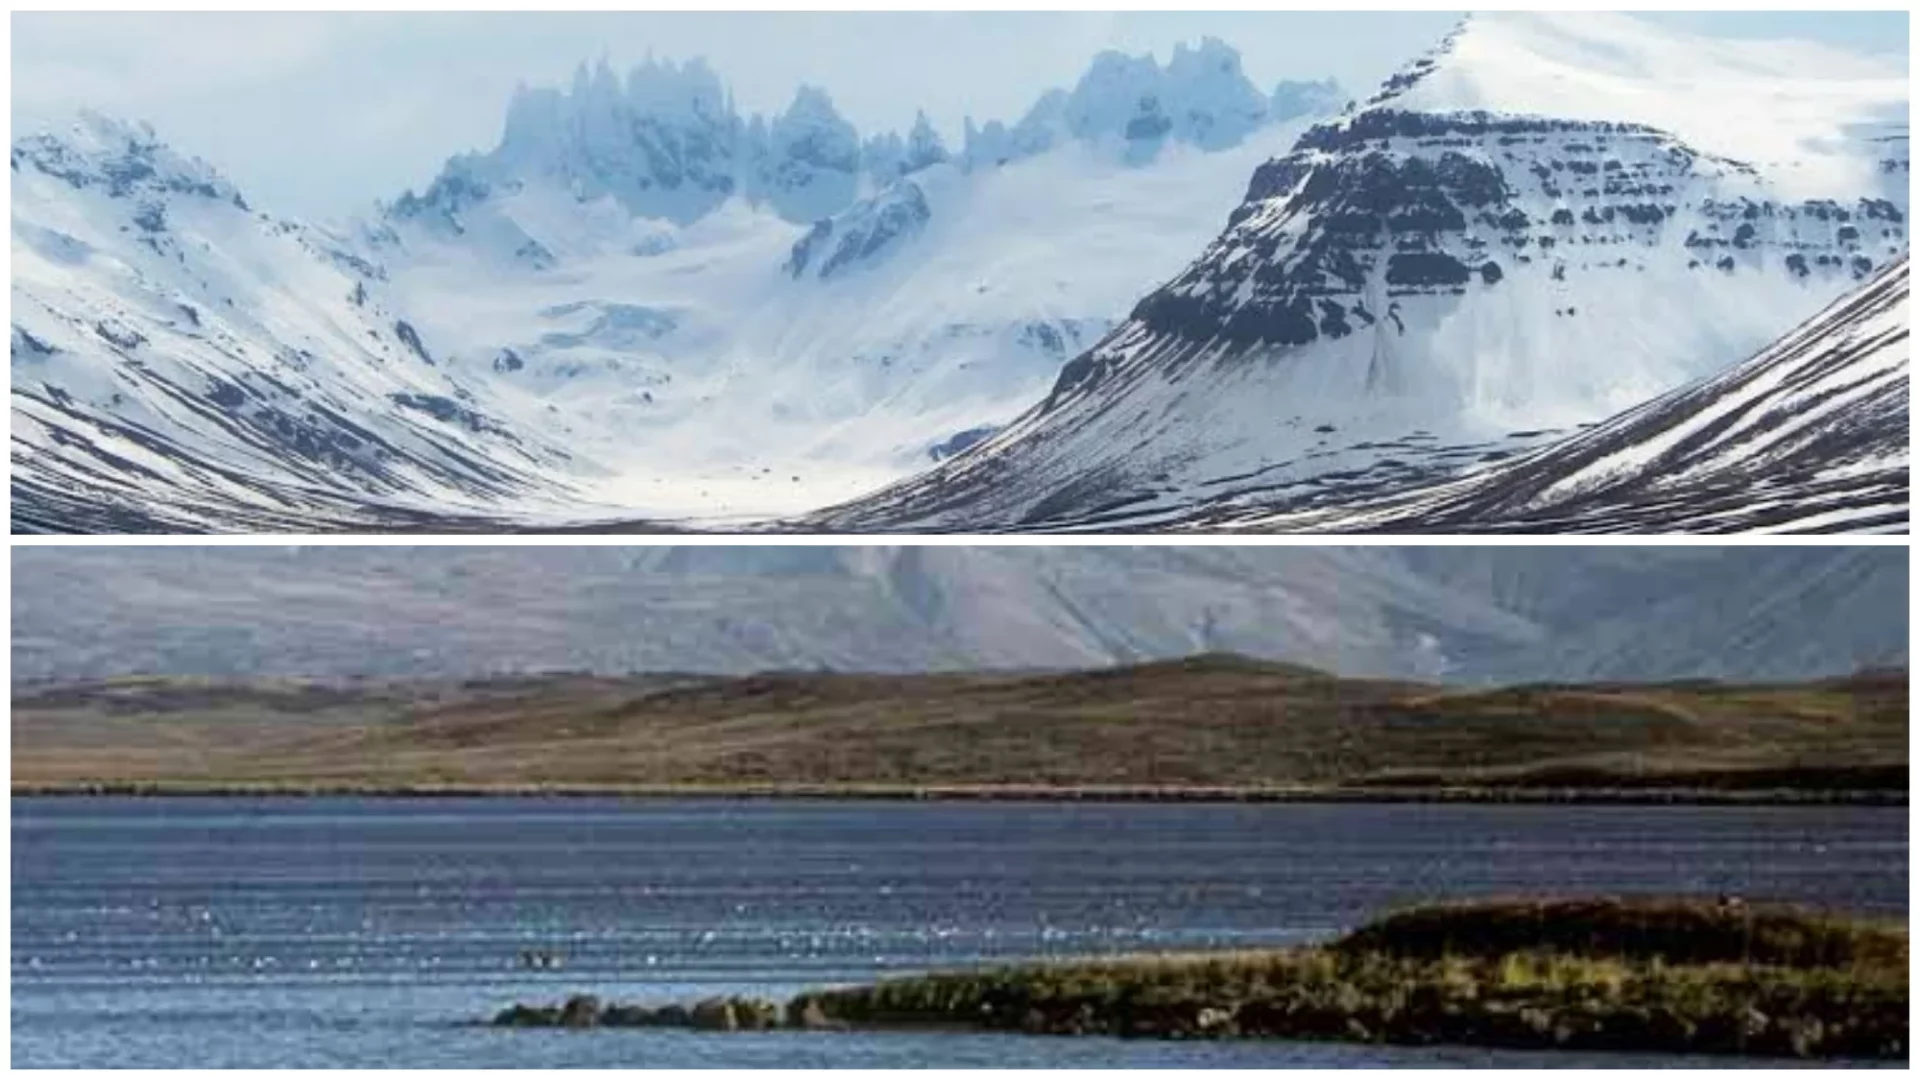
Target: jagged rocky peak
<point>924,146</point>
<point>1213,104</point>
<point>545,122</point>
<point>812,163</point>
<point>666,141</point>
<point>123,159</point>
<point>887,156</point>
<point>1118,95</point>
<point>659,87</point>
<point>663,142</point>
<point>1200,97</point>
<point>994,143</point>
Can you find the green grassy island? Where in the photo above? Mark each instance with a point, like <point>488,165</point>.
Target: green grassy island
<point>1678,976</point>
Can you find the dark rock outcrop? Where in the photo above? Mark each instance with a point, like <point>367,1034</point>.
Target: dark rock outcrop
<point>732,1013</point>
<point>580,1011</point>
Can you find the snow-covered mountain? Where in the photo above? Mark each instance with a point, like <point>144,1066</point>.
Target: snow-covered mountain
<point>1546,221</point>
<point>1459,613</point>
<point>640,303</point>
<point>736,316</point>
<point>181,360</point>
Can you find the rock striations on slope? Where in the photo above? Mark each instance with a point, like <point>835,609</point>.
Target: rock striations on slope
<point>1810,435</point>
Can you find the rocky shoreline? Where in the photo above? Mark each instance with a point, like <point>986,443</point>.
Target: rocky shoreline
<point>709,1014</point>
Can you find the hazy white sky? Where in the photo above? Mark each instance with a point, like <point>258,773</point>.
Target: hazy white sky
<point>319,114</point>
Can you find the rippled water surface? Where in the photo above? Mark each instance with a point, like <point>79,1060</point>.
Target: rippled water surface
<point>373,932</point>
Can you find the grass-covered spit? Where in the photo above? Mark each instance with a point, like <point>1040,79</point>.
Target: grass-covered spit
<point>1679,976</point>
<point>1667,976</point>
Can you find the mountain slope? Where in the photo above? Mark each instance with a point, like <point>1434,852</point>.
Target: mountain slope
<point>1810,434</point>
<point>1462,614</point>
<point>182,361</point>
<point>1516,233</point>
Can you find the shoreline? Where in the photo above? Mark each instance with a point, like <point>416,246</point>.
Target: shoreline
<point>1516,795</point>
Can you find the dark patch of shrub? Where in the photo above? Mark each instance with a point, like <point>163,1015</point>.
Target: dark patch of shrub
<point>1675,931</point>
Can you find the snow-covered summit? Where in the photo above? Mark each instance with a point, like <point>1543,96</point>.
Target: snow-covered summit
<point>1797,111</point>
<point>122,158</point>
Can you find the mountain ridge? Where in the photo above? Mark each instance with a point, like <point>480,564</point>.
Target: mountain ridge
<point>668,141</point>
<point>1462,614</point>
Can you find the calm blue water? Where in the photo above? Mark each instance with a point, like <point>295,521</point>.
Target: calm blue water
<point>371,932</point>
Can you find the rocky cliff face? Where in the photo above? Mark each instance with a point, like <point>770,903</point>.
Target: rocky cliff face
<point>1389,205</point>
<point>811,165</point>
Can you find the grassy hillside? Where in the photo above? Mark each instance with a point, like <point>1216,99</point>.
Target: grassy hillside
<point>1210,724</point>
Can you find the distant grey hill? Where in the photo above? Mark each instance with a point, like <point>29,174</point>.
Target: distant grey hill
<point>1462,614</point>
